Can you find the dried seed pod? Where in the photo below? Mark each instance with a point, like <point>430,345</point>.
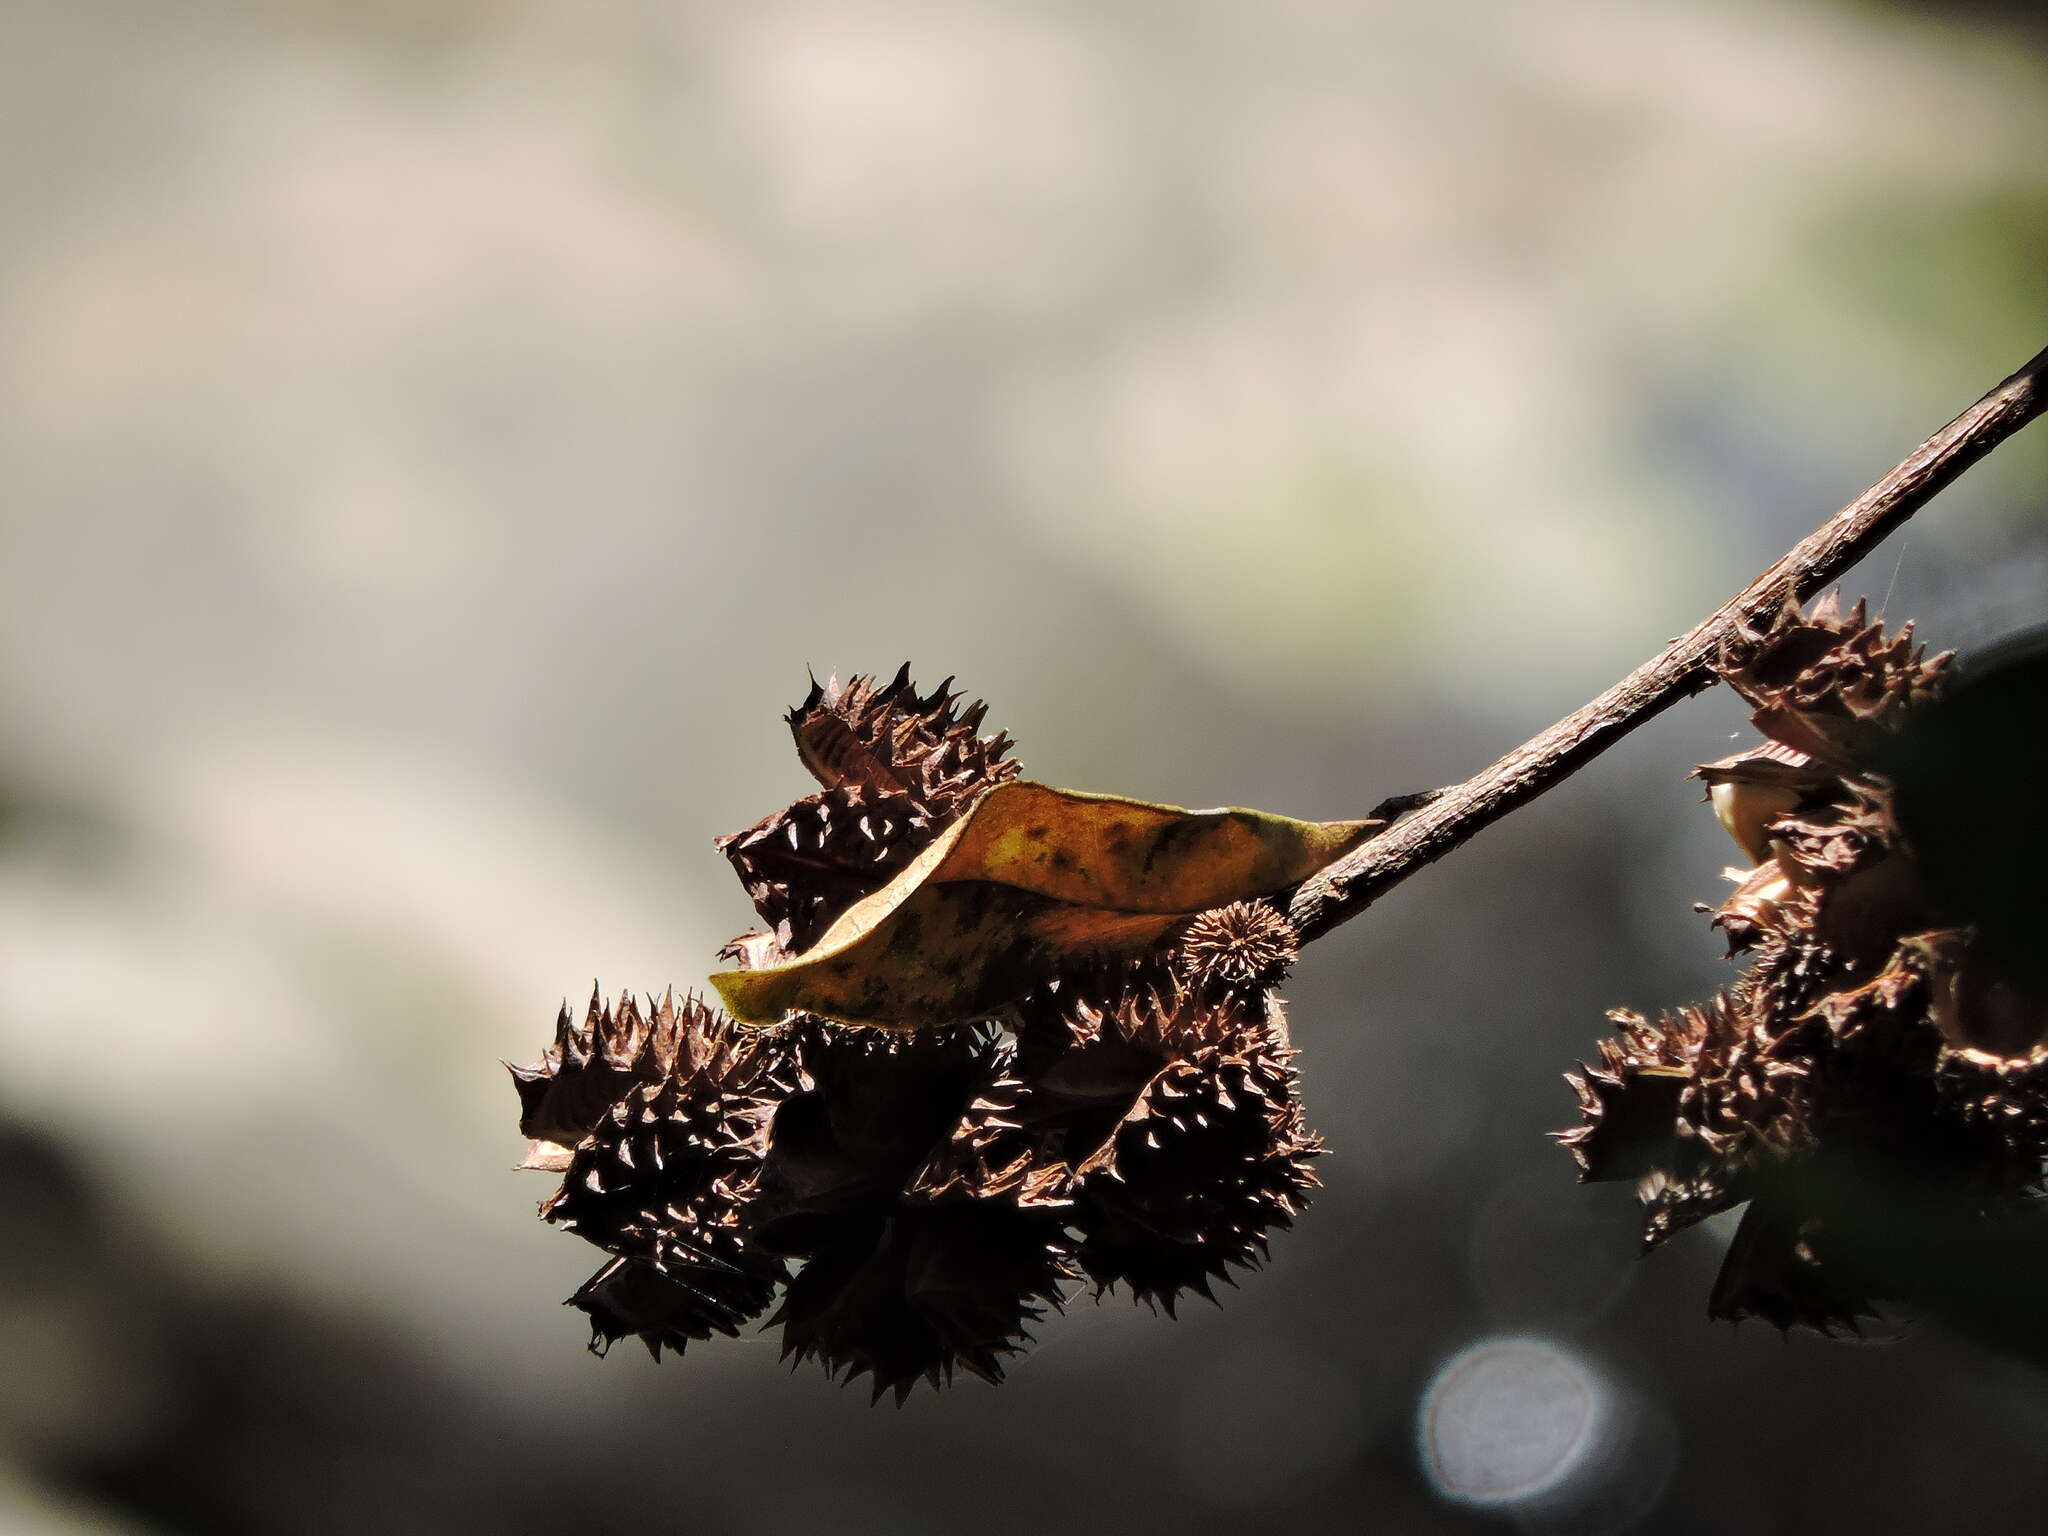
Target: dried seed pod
<point>1007,1145</point>
<point>588,1067</point>
<point>1209,1157</point>
<point>1775,1270</point>
<point>1246,944</point>
<point>1060,1094</point>
<point>931,1181</point>
<point>923,748</point>
<point>701,1286</point>
<point>924,1292</point>
<point>751,951</point>
<point>1830,684</point>
<point>1767,905</point>
<point>1192,1189</point>
<point>1751,790</point>
<point>1871,1044</point>
<point>1628,1109</point>
<point>896,769</point>
<point>807,863</point>
<point>661,1175</point>
<point>872,1107</point>
<point>1689,1106</point>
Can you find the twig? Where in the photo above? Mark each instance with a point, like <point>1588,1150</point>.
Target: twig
<point>1354,882</point>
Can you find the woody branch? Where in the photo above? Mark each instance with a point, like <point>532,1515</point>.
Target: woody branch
<point>1355,882</point>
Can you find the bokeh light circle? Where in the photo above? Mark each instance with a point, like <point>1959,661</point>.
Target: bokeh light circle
<point>1513,1420</point>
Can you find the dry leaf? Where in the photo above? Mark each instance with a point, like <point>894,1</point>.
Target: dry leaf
<point>1030,880</point>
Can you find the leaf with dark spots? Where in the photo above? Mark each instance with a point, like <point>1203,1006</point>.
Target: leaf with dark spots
<point>1029,882</point>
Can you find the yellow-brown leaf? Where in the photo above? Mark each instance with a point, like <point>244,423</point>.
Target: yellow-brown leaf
<point>1029,881</point>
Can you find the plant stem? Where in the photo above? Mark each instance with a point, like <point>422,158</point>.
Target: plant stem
<point>1359,879</point>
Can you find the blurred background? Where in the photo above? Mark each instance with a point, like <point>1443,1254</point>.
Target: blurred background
<point>437,435</point>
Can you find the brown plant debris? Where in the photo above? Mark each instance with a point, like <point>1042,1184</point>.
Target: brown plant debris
<point>1114,1104</point>
<point>1870,1050</point>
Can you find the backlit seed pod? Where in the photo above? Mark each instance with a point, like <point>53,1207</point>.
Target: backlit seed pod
<point>1211,1155</point>
<point>661,1175</point>
<point>1628,1106</point>
<point>896,769</point>
<point>1007,1145</point>
<point>924,1292</point>
<point>1830,684</point>
<point>751,951</point>
<point>810,861</point>
<point>1874,1051</point>
<point>924,748</point>
<point>588,1067</point>
<point>1215,1157</point>
<point>1753,789</point>
<point>1766,905</point>
<point>703,1283</point>
<point>1690,1106</point>
<point>869,1109</point>
<point>664,1146</point>
<point>1159,1118</point>
<point>919,1193</point>
<point>1775,1270</point>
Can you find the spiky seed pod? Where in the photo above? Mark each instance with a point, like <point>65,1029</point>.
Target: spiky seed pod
<point>932,1184</point>
<point>701,1125</point>
<point>1006,1145</point>
<point>925,1292</point>
<point>871,1108</point>
<point>1775,1270</point>
<point>752,951</point>
<point>1248,944</point>
<point>1752,789</point>
<point>1210,1156</point>
<point>1071,1079</point>
<point>664,1147</point>
<point>704,1284</point>
<point>1984,1017</point>
<point>1766,907</point>
<point>588,1068</point>
<point>1870,1045</point>
<point>1161,1114</point>
<point>1748,1105</point>
<point>1831,684</point>
<point>1087,1055</point>
<point>662,1175</point>
<point>896,768</point>
<point>922,747</point>
<point>1169,1018</point>
<point>807,863</point>
<point>1628,1107</point>
<point>898,1289</point>
<point>1191,1191</point>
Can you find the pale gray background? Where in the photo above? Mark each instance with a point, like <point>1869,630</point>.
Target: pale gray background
<point>437,435</point>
